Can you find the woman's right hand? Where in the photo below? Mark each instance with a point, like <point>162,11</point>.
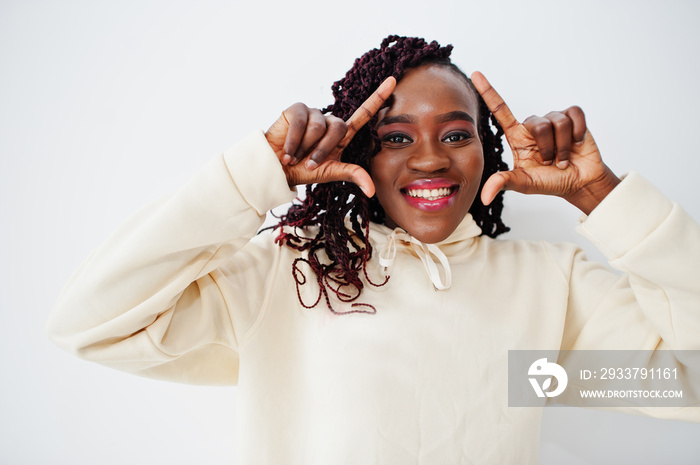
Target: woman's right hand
<point>309,144</point>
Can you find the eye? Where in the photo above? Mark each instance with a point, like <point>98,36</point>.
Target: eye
<point>396,138</point>
<point>457,137</point>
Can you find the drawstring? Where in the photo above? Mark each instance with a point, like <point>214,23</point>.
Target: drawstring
<point>388,254</point>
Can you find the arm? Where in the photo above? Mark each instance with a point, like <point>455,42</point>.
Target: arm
<point>152,299</point>
<point>657,245</point>
<point>655,304</point>
<point>640,231</point>
<point>649,315</point>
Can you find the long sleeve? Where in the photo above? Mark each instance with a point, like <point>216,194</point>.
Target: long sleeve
<point>172,291</point>
<point>656,302</point>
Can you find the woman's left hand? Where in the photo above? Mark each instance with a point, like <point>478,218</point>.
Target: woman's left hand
<point>554,155</point>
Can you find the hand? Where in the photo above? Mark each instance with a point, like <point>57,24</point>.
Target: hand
<point>554,155</point>
<point>309,144</point>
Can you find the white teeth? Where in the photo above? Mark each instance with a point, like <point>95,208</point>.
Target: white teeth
<point>430,194</point>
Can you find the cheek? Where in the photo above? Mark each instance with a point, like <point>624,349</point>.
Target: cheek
<point>380,171</point>
<point>476,166</point>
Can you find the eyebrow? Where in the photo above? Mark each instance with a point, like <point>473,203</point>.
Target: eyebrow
<point>406,119</point>
<point>455,115</point>
<point>410,119</point>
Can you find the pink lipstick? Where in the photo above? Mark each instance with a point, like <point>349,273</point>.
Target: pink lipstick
<point>430,194</point>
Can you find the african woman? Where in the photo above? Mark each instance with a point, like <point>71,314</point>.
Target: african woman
<point>373,324</point>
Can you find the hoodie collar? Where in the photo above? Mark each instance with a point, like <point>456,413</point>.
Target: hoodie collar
<point>441,276</point>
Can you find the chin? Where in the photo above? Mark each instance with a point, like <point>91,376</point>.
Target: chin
<point>431,233</point>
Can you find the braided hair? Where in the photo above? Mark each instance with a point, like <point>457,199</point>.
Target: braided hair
<point>335,216</point>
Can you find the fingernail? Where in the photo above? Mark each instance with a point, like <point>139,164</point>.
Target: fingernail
<point>310,164</point>
<point>547,162</point>
<point>563,164</point>
<point>286,159</point>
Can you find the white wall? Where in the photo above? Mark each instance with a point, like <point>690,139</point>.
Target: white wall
<point>106,105</point>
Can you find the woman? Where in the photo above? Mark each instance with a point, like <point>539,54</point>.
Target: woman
<point>407,362</point>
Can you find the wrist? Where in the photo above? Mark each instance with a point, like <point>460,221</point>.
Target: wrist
<point>589,196</point>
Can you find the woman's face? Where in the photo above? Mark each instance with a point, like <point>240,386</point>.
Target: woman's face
<point>428,170</point>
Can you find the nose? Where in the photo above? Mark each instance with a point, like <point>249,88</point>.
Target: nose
<point>428,157</point>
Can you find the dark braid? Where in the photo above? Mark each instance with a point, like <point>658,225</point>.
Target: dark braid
<point>327,207</point>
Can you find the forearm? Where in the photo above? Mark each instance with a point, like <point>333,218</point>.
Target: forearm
<point>656,243</point>
<point>142,271</point>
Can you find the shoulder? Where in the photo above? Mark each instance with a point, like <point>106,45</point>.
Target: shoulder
<point>525,246</point>
<point>529,255</point>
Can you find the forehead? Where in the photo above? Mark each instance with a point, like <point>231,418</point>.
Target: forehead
<point>432,88</point>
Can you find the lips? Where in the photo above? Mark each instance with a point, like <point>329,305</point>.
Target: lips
<point>430,194</point>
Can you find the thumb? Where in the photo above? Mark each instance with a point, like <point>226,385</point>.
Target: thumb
<point>493,185</point>
<point>518,180</point>
<point>338,171</point>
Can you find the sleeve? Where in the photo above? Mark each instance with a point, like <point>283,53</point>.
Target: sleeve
<point>654,304</point>
<point>174,289</point>
<point>656,301</point>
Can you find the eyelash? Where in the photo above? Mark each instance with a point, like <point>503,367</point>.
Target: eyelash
<point>461,134</point>
<point>391,138</point>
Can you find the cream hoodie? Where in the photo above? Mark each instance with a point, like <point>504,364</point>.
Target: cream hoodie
<point>186,291</point>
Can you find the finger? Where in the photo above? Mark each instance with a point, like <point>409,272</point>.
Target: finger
<point>336,129</point>
<point>495,103</point>
<point>563,136</point>
<point>541,130</point>
<point>297,116</point>
<point>314,131</point>
<point>337,171</point>
<point>493,185</point>
<point>579,121</point>
<point>367,110</point>
<point>516,180</point>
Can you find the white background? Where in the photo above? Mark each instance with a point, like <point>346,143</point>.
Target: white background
<point>106,105</point>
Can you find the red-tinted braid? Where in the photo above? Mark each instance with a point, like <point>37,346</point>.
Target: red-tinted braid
<point>331,207</point>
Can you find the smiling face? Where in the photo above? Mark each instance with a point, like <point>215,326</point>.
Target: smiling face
<point>428,170</point>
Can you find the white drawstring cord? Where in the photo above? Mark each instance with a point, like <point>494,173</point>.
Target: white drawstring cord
<point>387,256</point>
